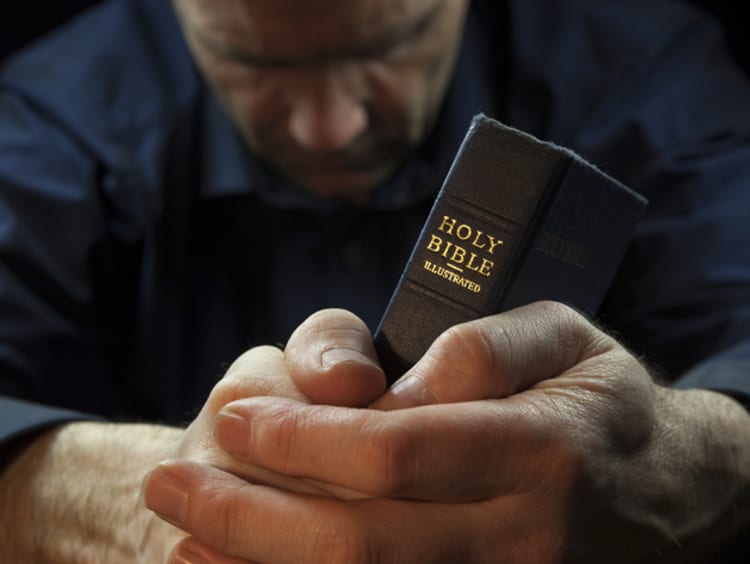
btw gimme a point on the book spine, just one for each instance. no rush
(517, 220)
(500, 182)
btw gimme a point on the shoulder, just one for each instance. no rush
(580, 66)
(118, 70)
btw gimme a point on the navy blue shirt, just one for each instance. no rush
(142, 248)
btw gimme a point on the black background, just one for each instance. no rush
(22, 22)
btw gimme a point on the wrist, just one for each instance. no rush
(704, 441)
(72, 495)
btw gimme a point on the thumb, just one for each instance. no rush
(332, 360)
(499, 355)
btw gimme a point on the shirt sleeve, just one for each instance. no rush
(727, 373)
(18, 418)
(54, 321)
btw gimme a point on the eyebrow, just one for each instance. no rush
(389, 40)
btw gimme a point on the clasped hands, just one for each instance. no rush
(523, 437)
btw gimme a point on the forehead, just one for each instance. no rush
(302, 27)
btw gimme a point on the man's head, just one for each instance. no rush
(333, 94)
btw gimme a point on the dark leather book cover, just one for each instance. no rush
(517, 220)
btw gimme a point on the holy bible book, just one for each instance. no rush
(517, 220)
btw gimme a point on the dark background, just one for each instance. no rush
(23, 21)
(735, 26)
(32, 19)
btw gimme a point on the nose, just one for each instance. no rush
(326, 112)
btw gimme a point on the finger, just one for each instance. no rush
(459, 451)
(332, 360)
(192, 551)
(260, 371)
(497, 356)
(257, 523)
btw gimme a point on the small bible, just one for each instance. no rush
(517, 220)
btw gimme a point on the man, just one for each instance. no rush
(156, 225)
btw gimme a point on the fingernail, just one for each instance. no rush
(187, 553)
(165, 495)
(411, 392)
(232, 432)
(333, 357)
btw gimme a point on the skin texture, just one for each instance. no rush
(74, 494)
(76, 489)
(553, 444)
(71, 496)
(335, 107)
(575, 454)
(525, 437)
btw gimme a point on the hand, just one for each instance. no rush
(585, 458)
(347, 375)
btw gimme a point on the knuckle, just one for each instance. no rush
(228, 521)
(576, 338)
(248, 361)
(549, 305)
(279, 434)
(567, 320)
(553, 309)
(347, 541)
(249, 375)
(393, 457)
(224, 392)
(471, 347)
(475, 354)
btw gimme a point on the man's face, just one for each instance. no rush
(333, 94)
